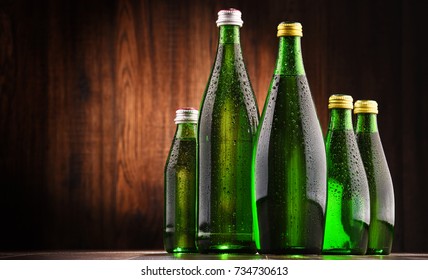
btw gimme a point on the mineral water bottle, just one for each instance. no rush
(227, 126)
(180, 187)
(289, 179)
(382, 207)
(348, 202)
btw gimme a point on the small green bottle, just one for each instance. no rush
(382, 207)
(290, 172)
(180, 185)
(348, 201)
(227, 126)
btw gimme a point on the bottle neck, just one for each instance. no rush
(340, 119)
(366, 123)
(289, 61)
(186, 130)
(229, 34)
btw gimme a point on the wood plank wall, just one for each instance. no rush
(89, 89)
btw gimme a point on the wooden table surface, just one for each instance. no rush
(162, 255)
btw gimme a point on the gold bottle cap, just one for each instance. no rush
(366, 106)
(289, 29)
(341, 101)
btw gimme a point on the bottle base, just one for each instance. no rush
(206, 246)
(383, 251)
(181, 250)
(291, 251)
(179, 242)
(341, 251)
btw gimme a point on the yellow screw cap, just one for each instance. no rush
(290, 29)
(341, 101)
(366, 106)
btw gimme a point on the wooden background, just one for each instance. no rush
(89, 89)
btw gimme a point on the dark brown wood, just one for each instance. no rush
(413, 109)
(89, 89)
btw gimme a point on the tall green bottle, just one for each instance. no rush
(289, 179)
(180, 187)
(382, 206)
(348, 202)
(227, 125)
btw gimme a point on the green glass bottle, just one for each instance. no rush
(290, 173)
(227, 125)
(348, 202)
(382, 206)
(180, 185)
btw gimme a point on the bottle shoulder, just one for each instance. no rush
(229, 92)
(345, 166)
(182, 152)
(372, 153)
(289, 104)
(342, 148)
(370, 143)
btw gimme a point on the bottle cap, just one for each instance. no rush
(186, 115)
(290, 29)
(229, 17)
(340, 101)
(366, 106)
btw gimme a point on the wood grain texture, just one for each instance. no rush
(89, 89)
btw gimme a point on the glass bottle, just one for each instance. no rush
(227, 125)
(348, 202)
(382, 207)
(289, 179)
(181, 185)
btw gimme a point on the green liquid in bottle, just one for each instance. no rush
(289, 179)
(348, 205)
(180, 191)
(227, 126)
(382, 207)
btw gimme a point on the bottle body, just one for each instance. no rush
(348, 203)
(382, 207)
(289, 180)
(227, 125)
(180, 191)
